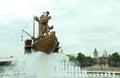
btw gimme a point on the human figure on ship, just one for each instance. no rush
(43, 23)
(40, 24)
(46, 26)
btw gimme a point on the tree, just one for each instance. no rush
(114, 60)
(81, 58)
(71, 57)
(91, 61)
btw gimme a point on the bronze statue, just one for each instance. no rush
(46, 41)
(43, 23)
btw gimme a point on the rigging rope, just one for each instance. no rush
(27, 24)
(24, 28)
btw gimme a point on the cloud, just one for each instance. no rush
(80, 25)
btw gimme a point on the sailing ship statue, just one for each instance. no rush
(46, 41)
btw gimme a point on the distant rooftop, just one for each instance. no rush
(6, 59)
(95, 51)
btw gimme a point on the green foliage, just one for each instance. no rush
(114, 60)
(81, 57)
(91, 61)
(82, 60)
(71, 57)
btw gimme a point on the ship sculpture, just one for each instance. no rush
(46, 41)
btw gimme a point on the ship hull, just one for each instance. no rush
(46, 44)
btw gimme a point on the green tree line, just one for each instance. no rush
(84, 61)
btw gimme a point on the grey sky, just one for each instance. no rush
(80, 25)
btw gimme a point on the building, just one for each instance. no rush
(104, 57)
(96, 54)
(105, 54)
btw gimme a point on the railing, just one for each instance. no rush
(66, 70)
(53, 69)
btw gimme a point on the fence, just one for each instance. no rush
(66, 70)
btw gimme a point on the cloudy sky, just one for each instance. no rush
(80, 25)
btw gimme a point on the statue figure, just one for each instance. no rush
(43, 23)
(40, 25)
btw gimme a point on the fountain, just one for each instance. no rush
(46, 61)
(54, 65)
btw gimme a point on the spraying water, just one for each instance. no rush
(35, 65)
(54, 65)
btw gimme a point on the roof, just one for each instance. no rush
(6, 59)
(95, 51)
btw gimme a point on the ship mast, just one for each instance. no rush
(33, 27)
